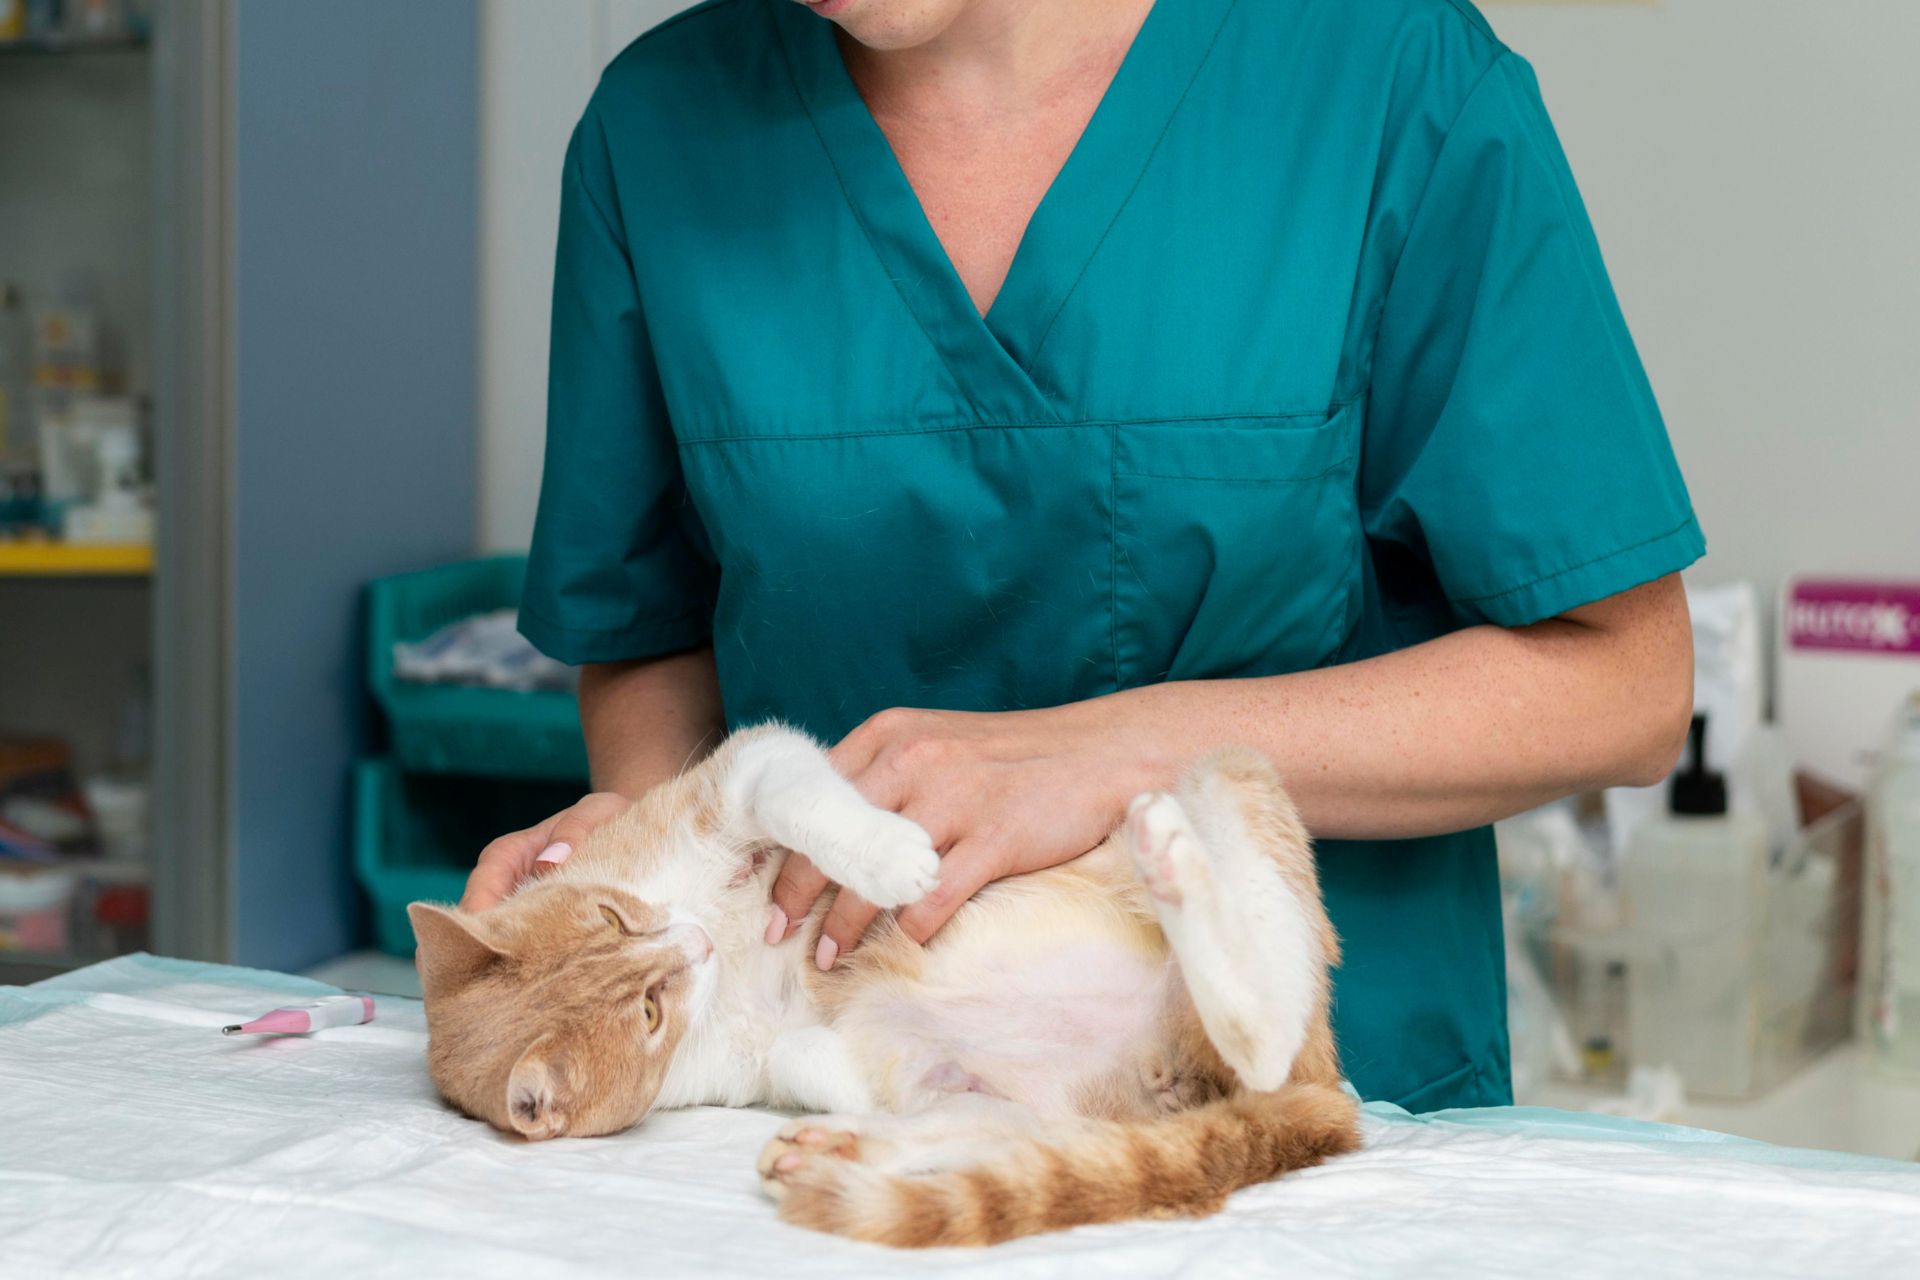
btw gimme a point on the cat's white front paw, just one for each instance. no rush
(890, 861)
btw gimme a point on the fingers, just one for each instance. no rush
(507, 861)
(846, 921)
(502, 865)
(794, 892)
(968, 868)
(563, 834)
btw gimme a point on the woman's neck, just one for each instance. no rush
(997, 58)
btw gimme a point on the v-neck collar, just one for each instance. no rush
(995, 357)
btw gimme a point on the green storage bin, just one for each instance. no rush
(497, 733)
(417, 835)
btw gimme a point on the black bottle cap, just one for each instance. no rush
(1698, 791)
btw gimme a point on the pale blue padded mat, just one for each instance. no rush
(135, 1141)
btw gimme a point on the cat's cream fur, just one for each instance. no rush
(1138, 1032)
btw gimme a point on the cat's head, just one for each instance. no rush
(558, 1011)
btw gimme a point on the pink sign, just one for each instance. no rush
(1860, 617)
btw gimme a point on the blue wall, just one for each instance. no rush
(355, 201)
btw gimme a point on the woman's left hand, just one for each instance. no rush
(999, 792)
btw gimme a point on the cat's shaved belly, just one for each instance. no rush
(1003, 1011)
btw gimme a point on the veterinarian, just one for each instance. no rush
(1028, 395)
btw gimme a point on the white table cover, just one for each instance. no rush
(136, 1141)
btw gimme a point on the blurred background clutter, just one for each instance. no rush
(273, 310)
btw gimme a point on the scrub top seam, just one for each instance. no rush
(1309, 479)
(1153, 153)
(1478, 22)
(1420, 205)
(1113, 548)
(1548, 152)
(614, 228)
(853, 210)
(1682, 527)
(1330, 411)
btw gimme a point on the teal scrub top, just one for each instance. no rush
(1307, 355)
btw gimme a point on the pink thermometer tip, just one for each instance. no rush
(335, 1011)
(279, 1022)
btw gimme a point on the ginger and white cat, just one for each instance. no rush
(1138, 1032)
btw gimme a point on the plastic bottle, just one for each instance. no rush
(1696, 881)
(1890, 939)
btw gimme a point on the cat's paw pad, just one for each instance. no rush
(893, 862)
(792, 1153)
(1165, 849)
(1172, 1088)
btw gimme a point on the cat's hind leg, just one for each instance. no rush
(958, 1133)
(1230, 873)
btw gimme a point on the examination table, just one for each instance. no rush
(136, 1141)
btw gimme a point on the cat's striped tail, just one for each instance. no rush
(1182, 1164)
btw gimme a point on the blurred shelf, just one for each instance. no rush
(75, 560)
(70, 46)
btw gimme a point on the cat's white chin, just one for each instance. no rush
(703, 959)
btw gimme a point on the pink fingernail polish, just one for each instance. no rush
(776, 926)
(555, 853)
(826, 953)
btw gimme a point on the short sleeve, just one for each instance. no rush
(1512, 439)
(620, 567)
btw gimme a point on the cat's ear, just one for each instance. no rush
(452, 950)
(538, 1092)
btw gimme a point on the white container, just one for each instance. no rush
(1696, 888)
(120, 817)
(1889, 1013)
(35, 908)
(1731, 1034)
(1697, 891)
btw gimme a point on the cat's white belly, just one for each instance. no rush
(1034, 1024)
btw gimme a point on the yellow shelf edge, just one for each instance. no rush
(63, 559)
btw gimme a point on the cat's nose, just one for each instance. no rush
(691, 941)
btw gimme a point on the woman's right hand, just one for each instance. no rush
(541, 847)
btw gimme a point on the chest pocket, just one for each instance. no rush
(1236, 546)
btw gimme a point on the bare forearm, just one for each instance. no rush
(1457, 732)
(645, 721)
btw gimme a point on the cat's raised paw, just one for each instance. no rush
(892, 862)
(1165, 849)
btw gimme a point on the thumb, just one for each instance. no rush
(557, 840)
(501, 866)
(507, 861)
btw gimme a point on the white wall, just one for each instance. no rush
(1751, 165)
(539, 60)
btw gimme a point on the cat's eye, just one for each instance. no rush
(653, 1014)
(613, 918)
